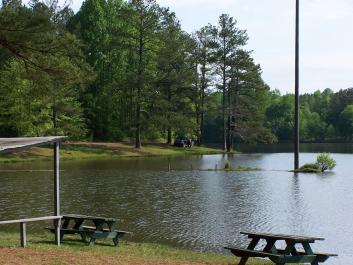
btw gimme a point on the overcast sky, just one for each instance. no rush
(326, 58)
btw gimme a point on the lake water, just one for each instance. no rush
(190, 207)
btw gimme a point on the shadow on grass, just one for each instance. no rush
(76, 243)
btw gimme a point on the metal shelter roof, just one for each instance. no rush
(13, 144)
(8, 145)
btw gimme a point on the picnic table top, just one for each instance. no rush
(87, 217)
(282, 236)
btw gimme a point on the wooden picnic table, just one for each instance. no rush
(281, 256)
(101, 228)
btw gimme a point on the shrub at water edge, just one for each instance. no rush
(325, 162)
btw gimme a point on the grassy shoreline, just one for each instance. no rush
(87, 150)
(41, 250)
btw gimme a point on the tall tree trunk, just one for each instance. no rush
(169, 136)
(233, 120)
(229, 123)
(138, 126)
(139, 88)
(202, 107)
(224, 97)
(224, 119)
(202, 122)
(198, 125)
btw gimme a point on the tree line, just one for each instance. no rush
(324, 116)
(126, 69)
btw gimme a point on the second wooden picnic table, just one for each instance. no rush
(102, 228)
(281, 256)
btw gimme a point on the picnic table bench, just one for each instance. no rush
(280, 256)
(101, 228)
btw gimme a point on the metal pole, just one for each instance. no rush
(296, 106)
(23, 235)
(57, 191)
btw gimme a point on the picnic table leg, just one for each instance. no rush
(83, 236)
(251, 246)
(99, 225)
(57, 227)
(78, 223)
(61, 236)
(66, 223)
(116, 240)
(309, 251)
(270, 246)
(112, 228)
(92, 241)
(77, 226)
(290, 249)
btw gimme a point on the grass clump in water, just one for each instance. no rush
(229, 168)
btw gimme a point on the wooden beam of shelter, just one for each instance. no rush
(8, 145)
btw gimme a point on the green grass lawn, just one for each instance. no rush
(85, 150)
(41, 248)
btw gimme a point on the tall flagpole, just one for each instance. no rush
(296, 106)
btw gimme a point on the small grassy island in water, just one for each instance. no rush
(229, 168)
(323, 163)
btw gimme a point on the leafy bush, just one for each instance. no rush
(325, 162)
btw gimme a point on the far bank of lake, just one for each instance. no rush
(101, 151)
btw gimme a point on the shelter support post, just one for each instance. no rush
(57, 191)
(23, 235)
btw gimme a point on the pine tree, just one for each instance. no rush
(227, 40)
(203, 38)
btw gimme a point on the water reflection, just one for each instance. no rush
(203, 210)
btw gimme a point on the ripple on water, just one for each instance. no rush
(202, 210)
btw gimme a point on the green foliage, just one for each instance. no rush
(346, 122)
(325, 162)
(309, 168)
(324, 116)
(42, 74)
(280, 116)
(126, 69)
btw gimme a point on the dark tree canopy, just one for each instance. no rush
(125, 70)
